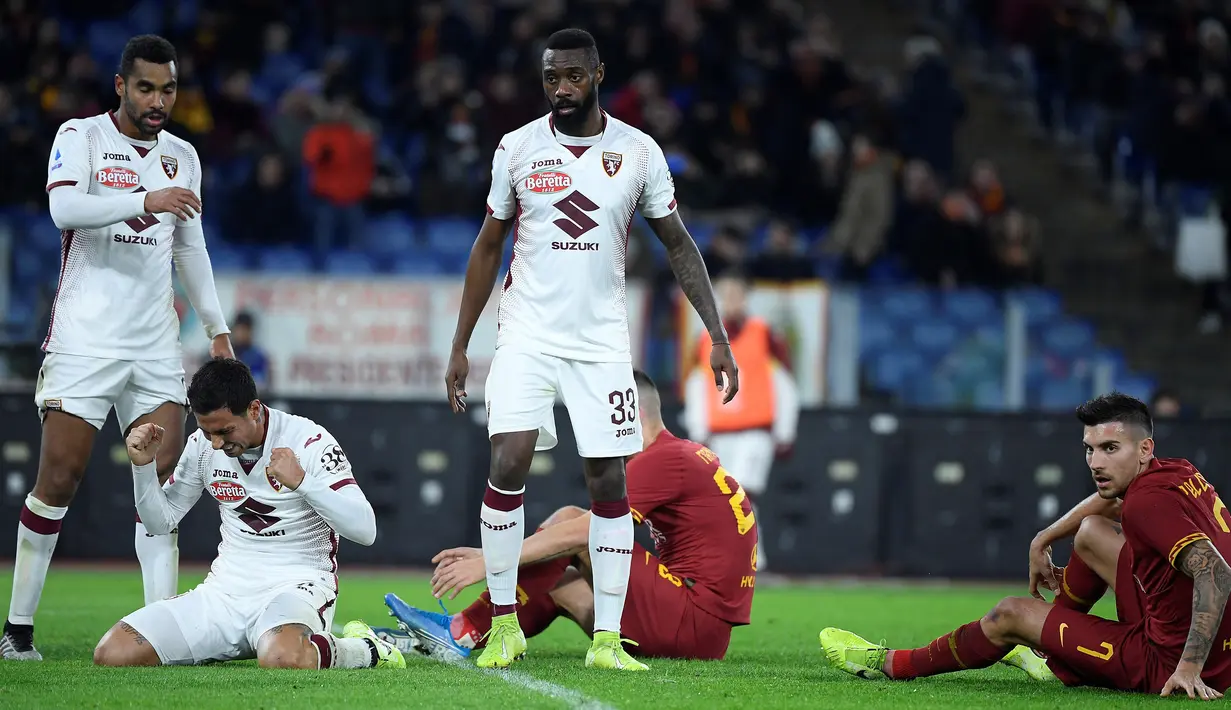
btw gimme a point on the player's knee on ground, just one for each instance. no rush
(511, 457)
(65, 452)
(124, 646)
(287, 647)
(605, 478)
(568, 512)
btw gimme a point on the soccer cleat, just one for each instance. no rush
(17, 643)
(505, 643)
(1032, 663)
(387, 655)
(431, 629)
(853, 654)
(607, 651)
(405, 642)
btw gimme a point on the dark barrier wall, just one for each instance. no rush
(864, 493)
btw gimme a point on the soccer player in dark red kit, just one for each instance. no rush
(1168, 570)
(682, 603)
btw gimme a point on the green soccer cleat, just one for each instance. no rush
(1030, 662)
(387, 655)
(505, 643)
(853, 654)
(607, 651)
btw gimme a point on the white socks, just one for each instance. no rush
(503, 520)
(159, 556)
(611, 556)
(37, 533)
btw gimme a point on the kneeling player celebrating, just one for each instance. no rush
(682, 604)
(270, 592)
(1173, 587)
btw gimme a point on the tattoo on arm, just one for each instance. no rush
(136, 635)
(689, 269)
(1211, 588)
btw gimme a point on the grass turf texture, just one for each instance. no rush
(774, 663)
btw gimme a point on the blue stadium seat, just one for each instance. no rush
(418, 265)
(285, 260)
(452, 236)
(989, 395)
(930, 391)
(349, 263)
(904, 305)
(970, 306)
(893, 369)
(1068, 338)
(226, 260)
(1137, 386)
(934, 336)
(1193, 200)
(1062, 394)
(1041, 305)
(389, 235)
(875, 333)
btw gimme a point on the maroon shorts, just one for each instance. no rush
(1089, 650)
(660, 615)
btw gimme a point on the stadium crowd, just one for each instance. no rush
(310, 121)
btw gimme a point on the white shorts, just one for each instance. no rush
(88, 387)
(601, 399)
(211, 623)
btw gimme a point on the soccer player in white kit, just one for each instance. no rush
(126, 195)
(568, 184)
(285, 491)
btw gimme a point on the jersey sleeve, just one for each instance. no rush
(1161, 519)
(502, 199)
(658, 198)
(70, 162)
(194, 184)
(329, 486)
(161, 508)
(653, 480)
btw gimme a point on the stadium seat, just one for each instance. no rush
(452, 236)
(904, 305)
(934, 336)
(285, 260)
(349, 263)
(1068, 338)
(418, 265)
(226, 260)
(1136, 385)
(1041, 305)
(1063, 394)
(875, 333)
(389, 235)
(970, 306)
(1193, 200)
(893, 369)
(989, 395)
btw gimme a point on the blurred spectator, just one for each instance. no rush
(265, 210)
(726, 251)
(866, 211)
(1165, 404)
(248, 352)
(930, 107)
(986, 189)
(1015, 244)
(339, 156)
(783, 260)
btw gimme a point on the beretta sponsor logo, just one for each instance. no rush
(548, 181)
(117, 178)
(228, 491)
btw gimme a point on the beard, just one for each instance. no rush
(573, 123)
(138, 120)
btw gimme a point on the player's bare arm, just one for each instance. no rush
(694, 279)
(1211, 589)
(461, 567)
(481, 271)
(1042, 571)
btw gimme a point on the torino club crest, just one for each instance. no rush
(612, 163)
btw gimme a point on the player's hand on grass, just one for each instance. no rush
(143, 443)
(220, 346)
(181, 202)
(455, 570)
(284, 468)
(455, 380)
(722, 362)
(1187, 677)
(1042, 571)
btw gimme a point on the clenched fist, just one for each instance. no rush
(143, 443)
(284, 468)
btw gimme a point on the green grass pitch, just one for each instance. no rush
(774, 663)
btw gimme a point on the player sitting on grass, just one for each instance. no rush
(271, 591)
(681, 604)
(1169, 574)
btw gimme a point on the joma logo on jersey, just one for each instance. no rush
(117, 178)
(219, 473)
(548, 181)
(575, 246)
(552, 162)
(134, 239)
(616, 550)
(227, 491)
(116, 156)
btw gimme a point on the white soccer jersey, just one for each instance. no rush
(564, 294)
(270, 534)
(115, 298)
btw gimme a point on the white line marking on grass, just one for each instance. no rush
(573, 698)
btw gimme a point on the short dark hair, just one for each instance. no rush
(222, 382)
(151, 48)
(574, 38)
(644, 380)
(1119, 408)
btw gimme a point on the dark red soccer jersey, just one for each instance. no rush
(701, 521)
(1168, 507)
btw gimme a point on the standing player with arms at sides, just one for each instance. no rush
(569, 184)
(681, 603)
(285, 491)
(1169, 572)
(126, 197)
